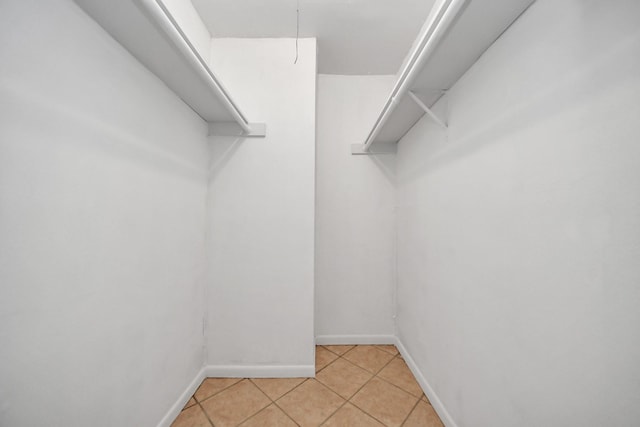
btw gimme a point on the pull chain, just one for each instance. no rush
(297, 29)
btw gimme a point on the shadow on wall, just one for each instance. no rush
(115, 141)
(222, 149)
(561, 95)
(387, 165)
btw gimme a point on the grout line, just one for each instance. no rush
(260, 411)
(346, 400)
(339, 355)
(334, 412)
(258, 387)
(299, 385)
(373, 375)
(216, 393)
(410, 412)
(349, 400)
(356, 406)
(286, 413)
(261, 391)
(376, 372)
(327, 365)
(205, 414)
(273, 402)
(399, 387)
(382, 379)
(385, 345)
(187, 407)
(338, 408)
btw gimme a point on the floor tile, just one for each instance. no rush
(391, 349)
(271, 416)
(343, 377)
(191, 402)
(385, 402)
(398, 373)
(344, 372)
(192, 417)
(323, 357)
(349, 415)
(211, 386)
(339, 349)
(310, 404)
(423, 416)
(235, 404)
(275, 388)
(368, 357)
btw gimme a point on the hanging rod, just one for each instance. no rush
(429, 39)
(161, 15)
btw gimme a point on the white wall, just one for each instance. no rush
(102, 212)
(261, 209)
(519, 233)
(355, 214)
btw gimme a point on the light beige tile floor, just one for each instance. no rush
(355, 386)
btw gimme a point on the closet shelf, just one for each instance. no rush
(149, 32)
(454, 36)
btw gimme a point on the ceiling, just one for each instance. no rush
(354, 36)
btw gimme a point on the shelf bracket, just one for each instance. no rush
(380, 148)
(233, 129)
(428, 110)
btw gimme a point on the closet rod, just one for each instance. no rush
(163, 18)
(432, 34)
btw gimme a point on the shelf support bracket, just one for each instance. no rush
(233, 129)
(427, 110)
(379, 148)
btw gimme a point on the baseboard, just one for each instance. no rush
(175, 409)
(260, 371)
(305, 371)
(355, 339)
(431, 395)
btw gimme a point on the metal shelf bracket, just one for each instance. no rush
(234, 129)
(428, 110)
(379, 148)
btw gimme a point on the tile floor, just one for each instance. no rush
(356, 386)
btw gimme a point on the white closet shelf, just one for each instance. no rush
(149, 32)
(455, 35)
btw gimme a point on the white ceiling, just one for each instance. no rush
(354, 36)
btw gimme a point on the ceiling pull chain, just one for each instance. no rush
(297, 29)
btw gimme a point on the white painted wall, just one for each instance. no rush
(261, 209)
(102, 212)
(355, 214)
(519, 233)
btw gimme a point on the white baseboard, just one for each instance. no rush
(431, 395)
(355, 339)
(260, 371)
(305, 371)
(175, 409)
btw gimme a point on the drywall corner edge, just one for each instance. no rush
(426, 387)
(175, 409)
(355, 339)
(260, 371)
